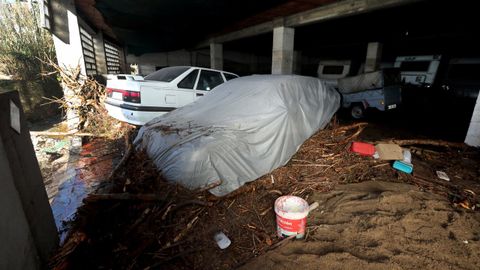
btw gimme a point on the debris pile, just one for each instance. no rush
(83, 99)
(142, 222)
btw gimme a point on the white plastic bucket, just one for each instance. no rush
(292, 214)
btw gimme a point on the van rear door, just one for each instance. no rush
(418, 70)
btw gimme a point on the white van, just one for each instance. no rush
(418, 70)
(332, 70)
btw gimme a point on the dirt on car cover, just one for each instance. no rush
(381, 225)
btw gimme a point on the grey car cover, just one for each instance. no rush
(241, 130)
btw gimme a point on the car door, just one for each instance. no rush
(207, 80)
(187, 85)
(160, 89)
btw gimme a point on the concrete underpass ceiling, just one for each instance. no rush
(153, 26)
(429, 27)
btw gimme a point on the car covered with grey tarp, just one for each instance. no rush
(248, 127)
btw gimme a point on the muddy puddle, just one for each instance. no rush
(86, 169)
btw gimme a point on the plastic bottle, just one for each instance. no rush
(222, 240)
(407, 156)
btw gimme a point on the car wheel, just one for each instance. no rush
(357, 111)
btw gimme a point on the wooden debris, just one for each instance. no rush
(68, 133)
(429, 142)
(123, 197)
(84, 96)
(352, 126)
(282, 242)
(181, 223)
(126, 156)
(210, 186)
(310, 165)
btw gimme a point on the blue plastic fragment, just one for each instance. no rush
(403, 166)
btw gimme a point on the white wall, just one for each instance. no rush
(17, 249)
(245, 63)
(70, 54)
(149, 61)
(28, 235)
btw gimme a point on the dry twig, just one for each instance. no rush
(123, 197)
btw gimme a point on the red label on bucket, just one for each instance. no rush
(292, 214)
(291, 226)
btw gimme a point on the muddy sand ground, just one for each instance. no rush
(381, 225)
(409, 221)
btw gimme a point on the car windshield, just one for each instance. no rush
(415, 66)
(167, 74)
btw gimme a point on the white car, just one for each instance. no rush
(137, 100)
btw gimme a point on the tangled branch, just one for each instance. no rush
(84, 96)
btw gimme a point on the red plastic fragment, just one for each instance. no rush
(364, 149)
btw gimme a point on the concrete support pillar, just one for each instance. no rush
(473, 133)
(216, 56)
(374, 56)
(297, 62)
(70, 55)
(282, 50)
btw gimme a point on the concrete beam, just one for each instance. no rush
(216, 56)
(322, 13)
(341, 9)
(282, 50)
(243, 33)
